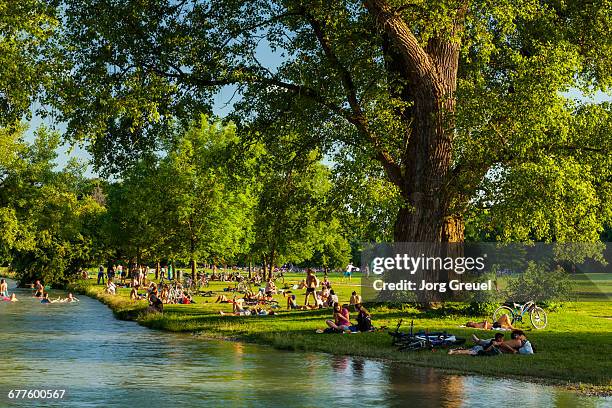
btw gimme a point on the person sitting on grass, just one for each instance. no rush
(326, 283)
(111, 288)
(483, 347)
(135, 296)
(355, 299)
(291, 302)
(332, 299)
(155, 304)
(324, 295)
(502, 323)
(186, 299)
(164, 295)
(301, 285)
(364, 319)
(341, 321)
(271, 287)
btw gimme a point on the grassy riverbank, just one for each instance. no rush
(573, 350)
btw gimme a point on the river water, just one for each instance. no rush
(104, 362)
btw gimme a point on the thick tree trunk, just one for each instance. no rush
(425, 77)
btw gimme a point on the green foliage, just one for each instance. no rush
(293, 220)
(208, 207)
(540, 283)
(49, 217)
(528, 161)
(26, 55)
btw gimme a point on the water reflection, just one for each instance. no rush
(105, 362)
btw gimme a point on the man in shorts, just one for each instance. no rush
(311, 286)
(349, 271)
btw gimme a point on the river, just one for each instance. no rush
(101, 361)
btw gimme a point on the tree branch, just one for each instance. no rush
(422, 68)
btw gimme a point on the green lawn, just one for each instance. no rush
(574, 349)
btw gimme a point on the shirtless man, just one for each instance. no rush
(511, 346)
(39, 289)
(3, 288)
(311, 285)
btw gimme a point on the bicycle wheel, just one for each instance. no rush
(503, 310)
(538, 317)
(413, 346)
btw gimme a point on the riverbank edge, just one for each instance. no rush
(125, 309)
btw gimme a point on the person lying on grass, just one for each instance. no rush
(223, 299)
(239, 310)
(483, 347)
(502, 323)
(518, 343)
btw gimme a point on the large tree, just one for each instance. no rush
(462, 103)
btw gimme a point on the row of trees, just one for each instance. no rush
(208, 197)
(444, 120)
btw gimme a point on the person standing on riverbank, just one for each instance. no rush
(311, 285)
(101, 274)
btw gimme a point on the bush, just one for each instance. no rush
(540, 283)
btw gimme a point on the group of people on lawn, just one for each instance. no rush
(319, 294)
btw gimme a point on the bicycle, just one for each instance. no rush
(422, 340)
(537, 315)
